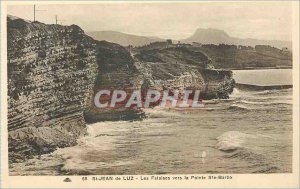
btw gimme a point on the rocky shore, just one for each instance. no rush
(54, 72)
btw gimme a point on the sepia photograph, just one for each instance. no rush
(150, 88)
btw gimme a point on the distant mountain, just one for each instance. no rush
(204, 36)
(215, 36)
(122, 38)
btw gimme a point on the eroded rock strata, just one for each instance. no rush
(116, 70)
(166, 66)
(54, 72)
(51, 70)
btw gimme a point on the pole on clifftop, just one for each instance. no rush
(56, 20)
(34, 13)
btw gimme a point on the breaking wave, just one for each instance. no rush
(257, 163)
(238, 107)
(232, 140)
(160, 113)
(271, 102)
(234, 143)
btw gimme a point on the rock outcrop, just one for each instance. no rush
(180, 67)
(51, 71)
(117, 70)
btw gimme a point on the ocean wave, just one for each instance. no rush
(232, 140)
(266, 92)
(257, 163)
(250, 102)
(239, 107)
(270, 102)
(161, 113)
(234, 143)
(241, 92)
(236, 93)
(272, 92)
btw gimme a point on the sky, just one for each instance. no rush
(265, 20)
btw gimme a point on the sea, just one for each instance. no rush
(251, 132)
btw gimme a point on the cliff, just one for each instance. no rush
(117, 70)
(51, 70)
(180, 67)
(54, 72)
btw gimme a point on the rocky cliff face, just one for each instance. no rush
(51, 70)
(54, 72)
(180, 67)
(117, 70)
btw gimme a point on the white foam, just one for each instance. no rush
(239, 107)
(232, 140)
(161, 113)
(235, 93)
(251, 102)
